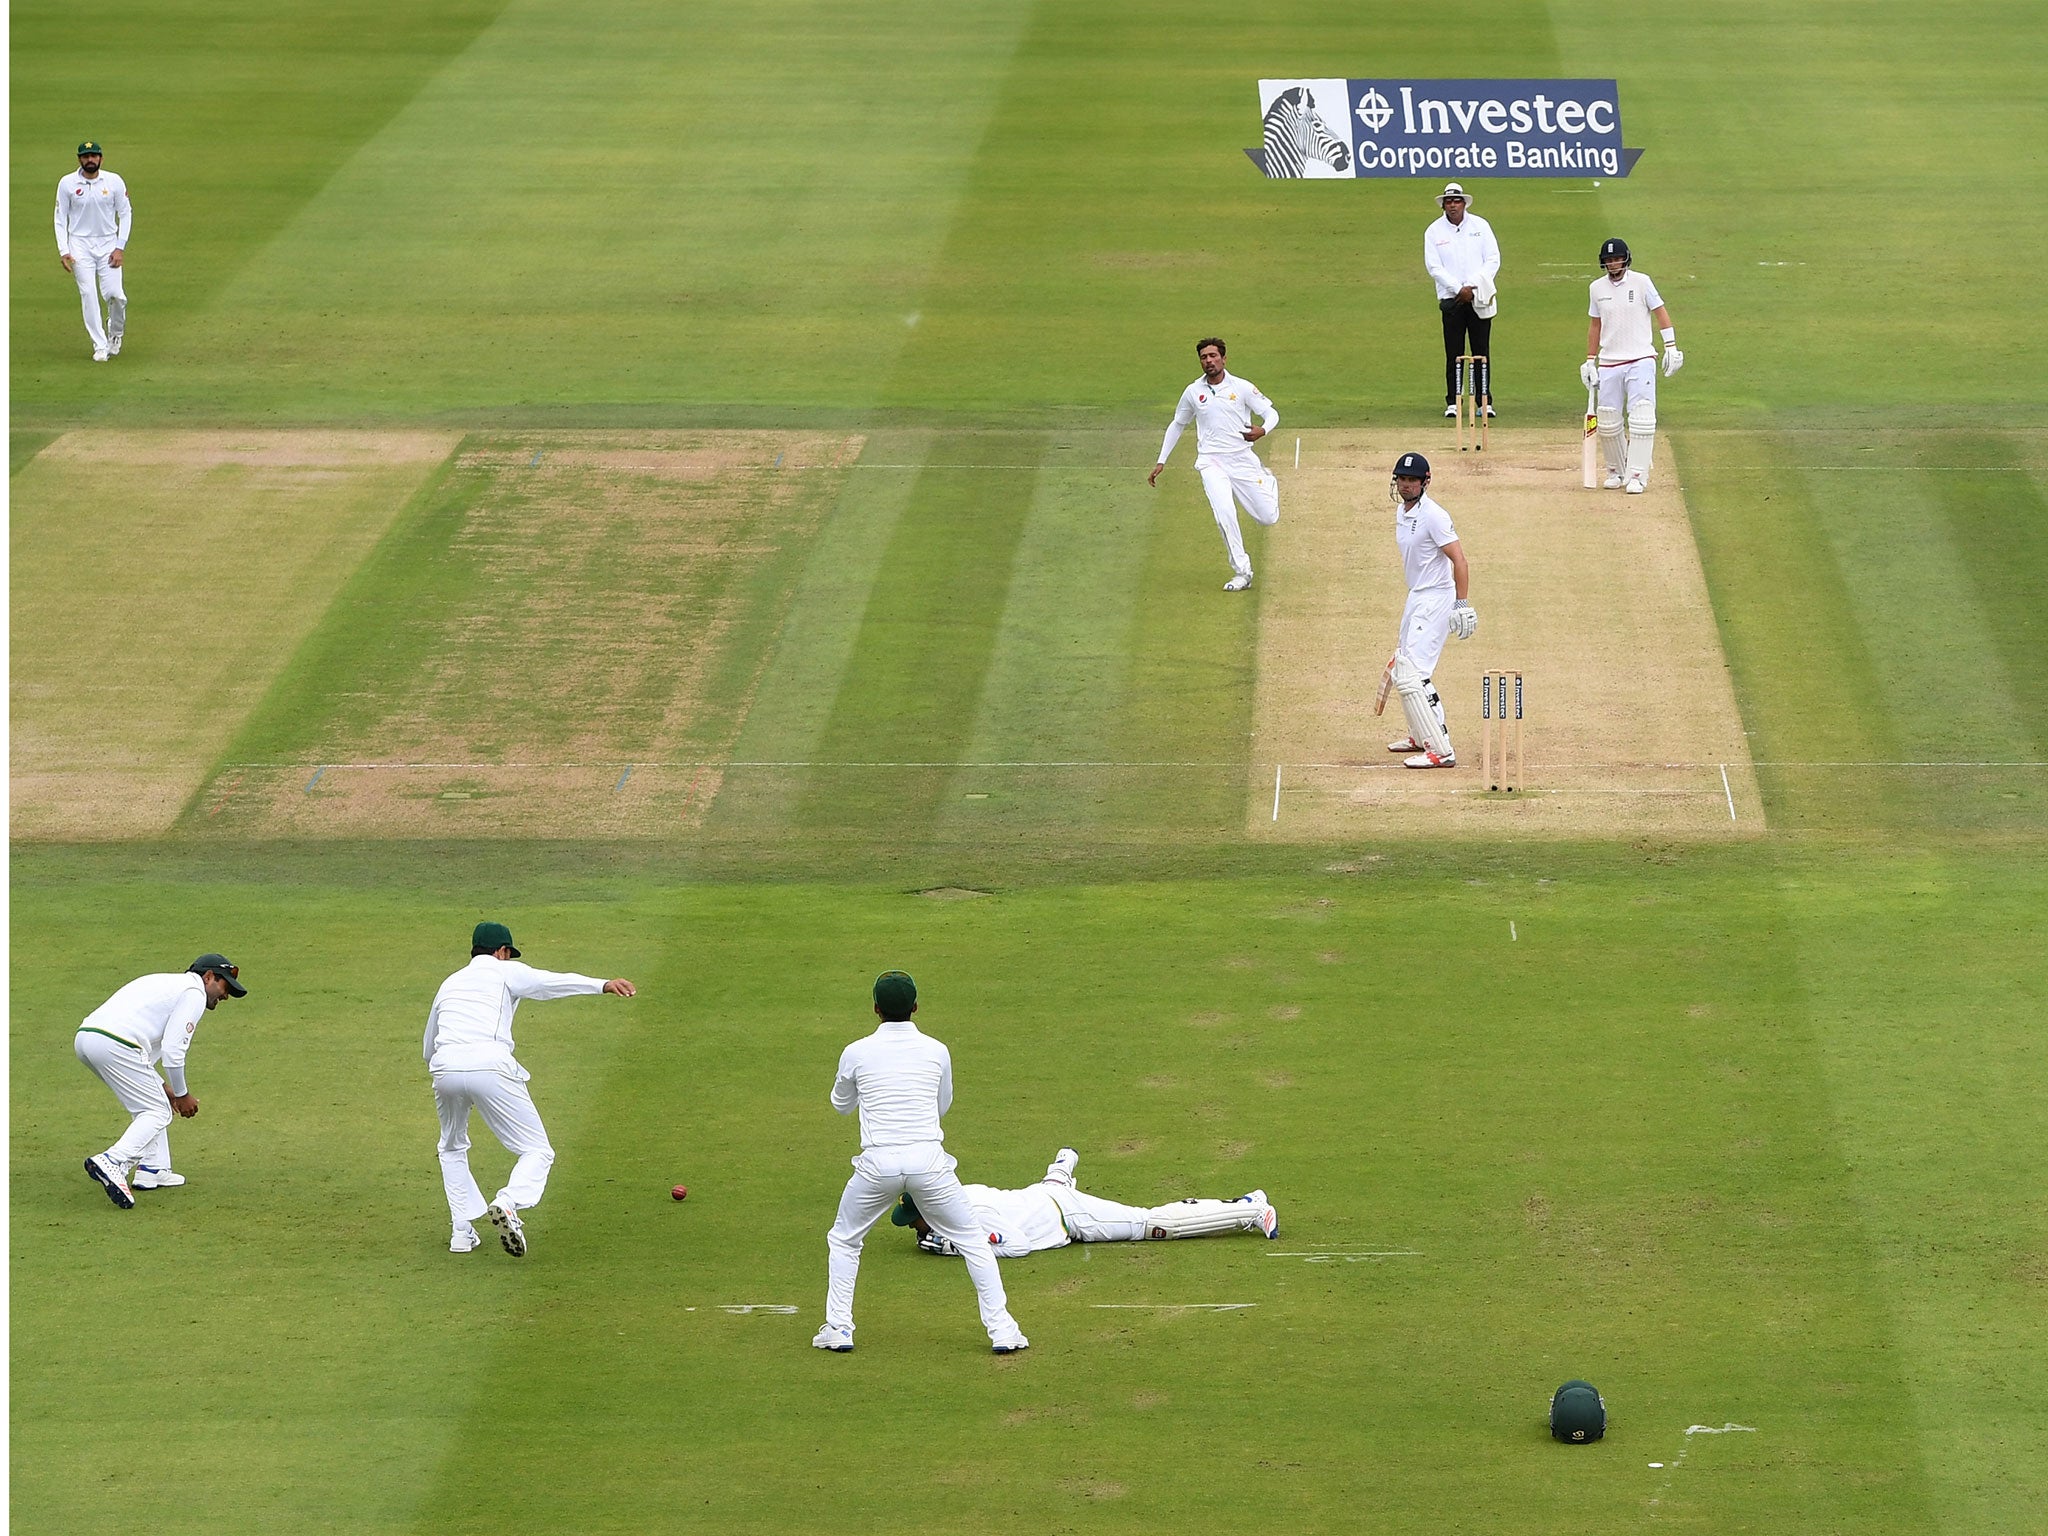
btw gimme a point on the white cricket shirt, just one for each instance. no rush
(93, 212)
(157, 1015)
(1421, 532)
(1459, 255)
(1221, 412)
(469, 1028)
(1025, 1220)
(901, 1079)
(1624, 310)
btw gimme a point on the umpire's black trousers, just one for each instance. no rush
(1459, 324)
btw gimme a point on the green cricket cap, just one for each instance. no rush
(1578, 1416)
(905, 1214)
(222, 967)
(90, 148)
(895, 994)
(489, 938)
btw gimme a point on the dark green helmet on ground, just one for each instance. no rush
(1577, 1414)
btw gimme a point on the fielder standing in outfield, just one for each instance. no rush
(1055, 1212)
(1220, 404)
(150, 1020)
(1621, 364)
(468, 1048)
(901, 1081)
(1439, 588)
(93, 220)
(1463, 259)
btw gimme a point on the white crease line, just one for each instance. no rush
(1727, 791)
(1678, 1461)
(1348, 1255)
(1173, 1306)
(1276, 791)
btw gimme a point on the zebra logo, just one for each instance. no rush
(1295, 133)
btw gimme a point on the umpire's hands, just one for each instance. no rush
(1463, 620)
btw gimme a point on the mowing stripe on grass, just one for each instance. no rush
(1779, 593)
(916, 673)
(2000, 530)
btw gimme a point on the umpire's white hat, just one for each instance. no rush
(1451, 190)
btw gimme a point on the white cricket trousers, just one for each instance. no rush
(1239, 478)
(1092, 1219)
(123, 1068)
(924, 1171)
(98, 278)
(509, 1115)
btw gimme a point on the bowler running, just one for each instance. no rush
(1221, 405)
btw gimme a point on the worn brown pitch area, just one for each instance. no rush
(590, 677)
(1596, 597)
(160, 581)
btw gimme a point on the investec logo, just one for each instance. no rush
(1508, 127)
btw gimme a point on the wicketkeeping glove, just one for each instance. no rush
(1673, 361)
(1463, 620)
(1589, 373)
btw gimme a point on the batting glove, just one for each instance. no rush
(1589, 373)
(1463, 620)
(1673, 361)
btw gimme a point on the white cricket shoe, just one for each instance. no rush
(1268, 1217)
(1064, 1162)
(99, 354)
(1636, 485)
(1450, 413)
(155, 1178)
(838, 1340)
(1238, 583)
(1489, 410)
(464, 1239)
(511, 1231)
(113, 346)
(1431, 760)
(1009, 1343)
(1612, 482)
(1405, 744)
(103, 1170)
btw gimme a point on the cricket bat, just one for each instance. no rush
(1589, 462)
(1379, 703)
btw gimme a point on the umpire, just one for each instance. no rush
(1461, 255)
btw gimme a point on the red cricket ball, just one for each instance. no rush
(681, 1192)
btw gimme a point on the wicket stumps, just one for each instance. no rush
(1474, 384)
(1500, 734)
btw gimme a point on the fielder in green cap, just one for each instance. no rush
(93, 221)
(150, 1021)
(901, 1081)
(469, 1052)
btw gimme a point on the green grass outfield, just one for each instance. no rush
(1746, 1134)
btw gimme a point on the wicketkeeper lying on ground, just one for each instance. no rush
(1054, 1212)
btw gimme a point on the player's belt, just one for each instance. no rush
(87, 1029)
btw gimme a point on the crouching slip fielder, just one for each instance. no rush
(150, 1020)
(468, 1047)
(1621, 363)
(1220, 404)
(901, 1081)
(1438, 584)
(1055, 1212)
